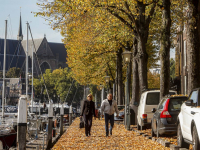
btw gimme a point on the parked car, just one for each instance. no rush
(165, 116)
(120, 117)
(188, 123)
(148, 101)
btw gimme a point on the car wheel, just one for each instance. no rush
(143, 127)
(138, 126)
(195, 139)
(180, 140)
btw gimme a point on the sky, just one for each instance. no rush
(10, 10)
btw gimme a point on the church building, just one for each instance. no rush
(49, 55)
(46, 55)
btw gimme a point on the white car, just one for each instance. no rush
(189, 122)
(121, 113)
(148, 101)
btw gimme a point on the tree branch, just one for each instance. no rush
(121, 19)
(149, 18)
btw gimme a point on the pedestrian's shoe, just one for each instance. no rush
(89, 134)
(110, 132)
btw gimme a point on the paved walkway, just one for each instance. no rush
(74, 138)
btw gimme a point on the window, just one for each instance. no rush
(153, 98)
(162, 104)
(194, 96)
(175, 103)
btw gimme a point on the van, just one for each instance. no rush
(148, 101)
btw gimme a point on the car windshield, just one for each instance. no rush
(175, 103)
(154, 97)
(120, 107)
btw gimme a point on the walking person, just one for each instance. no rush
(109, 106)
(88, 110)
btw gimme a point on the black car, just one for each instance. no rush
(165, 117)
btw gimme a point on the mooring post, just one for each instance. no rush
(49, 135)
(61, 119)
(22, 123)
(70, 115)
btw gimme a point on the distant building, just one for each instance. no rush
(181, 70)
(50, 55)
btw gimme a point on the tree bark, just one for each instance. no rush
(142, 55)
(135, 85)
(165, 50)
(135, 76)
(120, 84)
(193, 30)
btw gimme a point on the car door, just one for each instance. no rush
(188, 117)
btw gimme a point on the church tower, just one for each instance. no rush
(20, 36)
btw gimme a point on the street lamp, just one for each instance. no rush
(100, 87)
(107, 79)
(54, 97)
(58, 103)
(127, 59)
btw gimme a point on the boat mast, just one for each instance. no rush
(27, 63)
(4, 69)
(32, 83)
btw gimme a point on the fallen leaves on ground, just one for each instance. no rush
(74, 138)
(170, 138)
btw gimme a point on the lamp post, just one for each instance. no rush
(107, 79)
(58, 103)
(101, 87)
(102, 97)
(127, 58)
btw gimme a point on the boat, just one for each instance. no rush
(7, 132)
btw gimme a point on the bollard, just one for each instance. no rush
(70, 115)
(61, 119)
(49, 133)
(22, 123)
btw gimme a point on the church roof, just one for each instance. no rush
(37, 43)
(59, 48)
(15, 56)
(20, 36)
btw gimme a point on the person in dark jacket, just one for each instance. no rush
(88, 110)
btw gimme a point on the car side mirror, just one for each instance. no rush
(153, 110)
(189, 102)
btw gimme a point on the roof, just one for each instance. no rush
(59, 48)
(37, 43)
(15, 55)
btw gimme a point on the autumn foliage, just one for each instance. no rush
(74, 138)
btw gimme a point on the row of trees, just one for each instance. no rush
(12, 73)
(96, 32)
(59, 84)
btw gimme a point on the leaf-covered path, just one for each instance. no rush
(74, 138)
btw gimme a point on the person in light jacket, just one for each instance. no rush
(109, 106)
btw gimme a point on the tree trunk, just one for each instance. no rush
(135, 77)
(135, 86)
(142, 40)
(120, 84)
(142, 65)
(193, 30)
(165, 50)
(116, 82)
